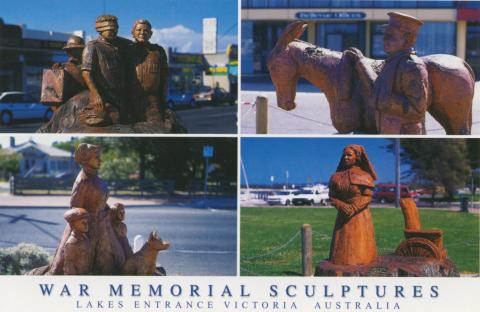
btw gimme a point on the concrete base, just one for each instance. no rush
(391, 265)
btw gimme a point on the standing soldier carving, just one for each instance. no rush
(151, 75)
(400, 92)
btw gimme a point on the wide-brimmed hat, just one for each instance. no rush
(403, 22)
(74, 42)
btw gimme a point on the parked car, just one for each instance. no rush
(310, 196)
(214, 95)
(179, 98)
(283, 197)
(386, 193)
(20, 105)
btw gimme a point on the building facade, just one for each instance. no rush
(450, 27)
(188, 72)
(24, 53)
(39, 159)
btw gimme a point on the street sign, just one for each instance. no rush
(329, 15)
(207, 151)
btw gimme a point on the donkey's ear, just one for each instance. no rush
(301, 30)
(292, 31)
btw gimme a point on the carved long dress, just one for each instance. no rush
(106, 253)
(353, 241)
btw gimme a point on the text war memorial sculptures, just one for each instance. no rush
(375, 96)
(110, 84)
(95, 241)
(353, 250)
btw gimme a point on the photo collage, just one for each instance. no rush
(239, 155)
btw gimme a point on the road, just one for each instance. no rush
(203, 241)
(206, 119)
(210, 119)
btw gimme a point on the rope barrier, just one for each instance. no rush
(249, 110)
(251, 272)
(275, 250)
(322, 236)
(301, 117)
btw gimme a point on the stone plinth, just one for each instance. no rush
(392, 265)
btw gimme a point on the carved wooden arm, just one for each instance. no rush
(358, 203)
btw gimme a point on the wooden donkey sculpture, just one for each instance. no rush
(450, 96)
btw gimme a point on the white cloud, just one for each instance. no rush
(185, 39)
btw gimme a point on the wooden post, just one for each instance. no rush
(262, 115)
(307, 250)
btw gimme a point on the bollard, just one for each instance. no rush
(307, 251)
(261, 104)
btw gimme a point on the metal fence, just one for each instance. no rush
(48, 185)
(146, 187)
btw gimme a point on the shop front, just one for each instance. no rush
(449, 27)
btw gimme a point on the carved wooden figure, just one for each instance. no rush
(64, 80)
(117, 218)
(123, 86)
(77, 248)
(351, 190)
(150, 77)
(95, 241)
(144, 261)
(373, 96)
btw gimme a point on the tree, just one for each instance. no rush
(9, 163)
(473, 146)
(437, 162)
(178, 159)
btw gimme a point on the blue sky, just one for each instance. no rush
(304, 157)
(175, 22)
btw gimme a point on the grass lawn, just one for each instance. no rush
(265, 231)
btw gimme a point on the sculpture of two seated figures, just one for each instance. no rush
(111, 84)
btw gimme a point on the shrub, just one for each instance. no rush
(22, 258)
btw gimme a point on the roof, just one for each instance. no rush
(48, 150)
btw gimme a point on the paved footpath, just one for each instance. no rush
(60, 201)
(63, 201)
(312, 115)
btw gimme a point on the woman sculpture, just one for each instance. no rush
(91, 193)
(351, 189)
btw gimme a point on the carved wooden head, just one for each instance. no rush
(155, 242)
(282, 66)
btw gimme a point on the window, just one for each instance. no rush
(340, 36)
(437, 37)
(433, 38)
(473, 47)
(247, 47)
